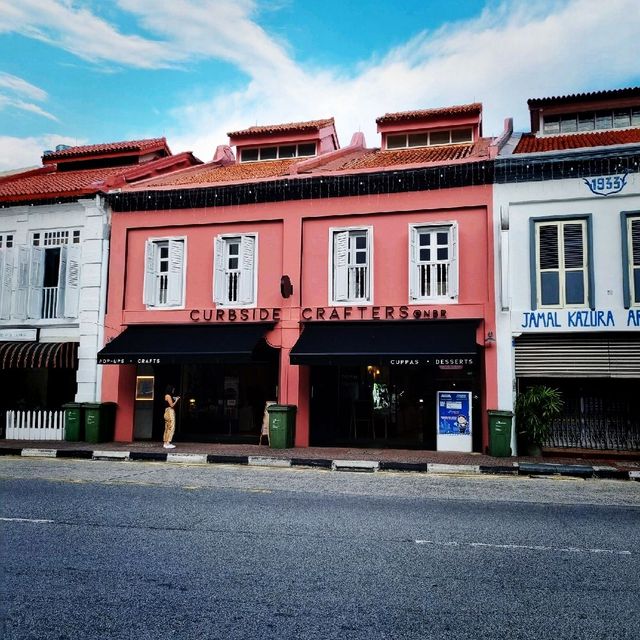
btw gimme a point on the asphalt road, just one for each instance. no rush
(143, 550)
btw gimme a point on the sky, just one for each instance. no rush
(93, 71)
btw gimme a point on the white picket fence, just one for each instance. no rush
(35, 425)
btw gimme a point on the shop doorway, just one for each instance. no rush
(384, 406)
(218, 402)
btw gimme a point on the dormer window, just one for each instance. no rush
(618, 118)
(280, 152)
(429, 138)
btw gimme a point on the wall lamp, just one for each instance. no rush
(490, 339)
(286, 288)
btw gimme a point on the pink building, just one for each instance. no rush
(353, 283)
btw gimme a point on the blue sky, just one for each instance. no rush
(90, 71)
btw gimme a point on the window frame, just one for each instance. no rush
(428, 133)
(156, 306)
(628, 286)
(535, 274)
(598, 116)
(451, 227)
(277, 147)
(221, 301)
(7, 240)
(353, 229)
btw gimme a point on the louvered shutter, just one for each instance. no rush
(176, 272)
(247, 266)
(574, 263)
(62, 282)
(548, 265)
(150, 261)
(7, 258)
(341, 266)
(72, 281)
(635, 259)
(22, 289)
(36, 281)
(218, 272)
(413, 264)
(454, 262)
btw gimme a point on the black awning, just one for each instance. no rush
(442, 342)
(174, 344)
(38, 355)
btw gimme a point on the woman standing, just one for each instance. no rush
(170, 416)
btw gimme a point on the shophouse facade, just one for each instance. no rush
(355, 284)
(54, 251)
(567, 231)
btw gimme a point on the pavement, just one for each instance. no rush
(571, 463)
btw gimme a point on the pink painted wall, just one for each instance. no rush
(293, 239)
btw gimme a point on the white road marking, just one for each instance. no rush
(26, 520)
(524, 546)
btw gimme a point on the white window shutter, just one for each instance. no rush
(22, 289)
(62, 282)
(454, 268)
(247, 265)
(176, 271)
(36, 281)
(150, 261)
(413, 263)
(7, 258)
(341, 265)
(72, 281)
(218, 272)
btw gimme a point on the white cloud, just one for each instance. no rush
(24, 106)
(12, 91)
(513, 51)
(26, 152)
(74, 28)
(21, 87)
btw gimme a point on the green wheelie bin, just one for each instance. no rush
(500, 433)
(282, 424)
(73, 421)
(99, 421)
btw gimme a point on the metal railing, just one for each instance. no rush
(612, 428)
(233, 286)
(49, 302)
(358, 285)
(433, 279)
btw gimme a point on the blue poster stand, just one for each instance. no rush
(454, 422)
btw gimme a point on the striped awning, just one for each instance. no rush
(38, 355)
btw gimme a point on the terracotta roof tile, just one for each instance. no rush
(629, 92)
(214, 173)
(430, 114)
(290, 127)
(529, 143)
(49, 183)
(377, 158)
(53, 184)
(109, 148)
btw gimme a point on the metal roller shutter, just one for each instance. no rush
(578, 355)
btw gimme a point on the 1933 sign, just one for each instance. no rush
(606, 185)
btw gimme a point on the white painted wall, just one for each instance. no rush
(92, 218)
(518, 203)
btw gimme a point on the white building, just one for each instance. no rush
(567, 229)
(54, 251)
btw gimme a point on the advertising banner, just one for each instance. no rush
(454, 421)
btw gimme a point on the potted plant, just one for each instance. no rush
(536, 408)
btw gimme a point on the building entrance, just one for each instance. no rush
(383, 405)
(218, 403)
